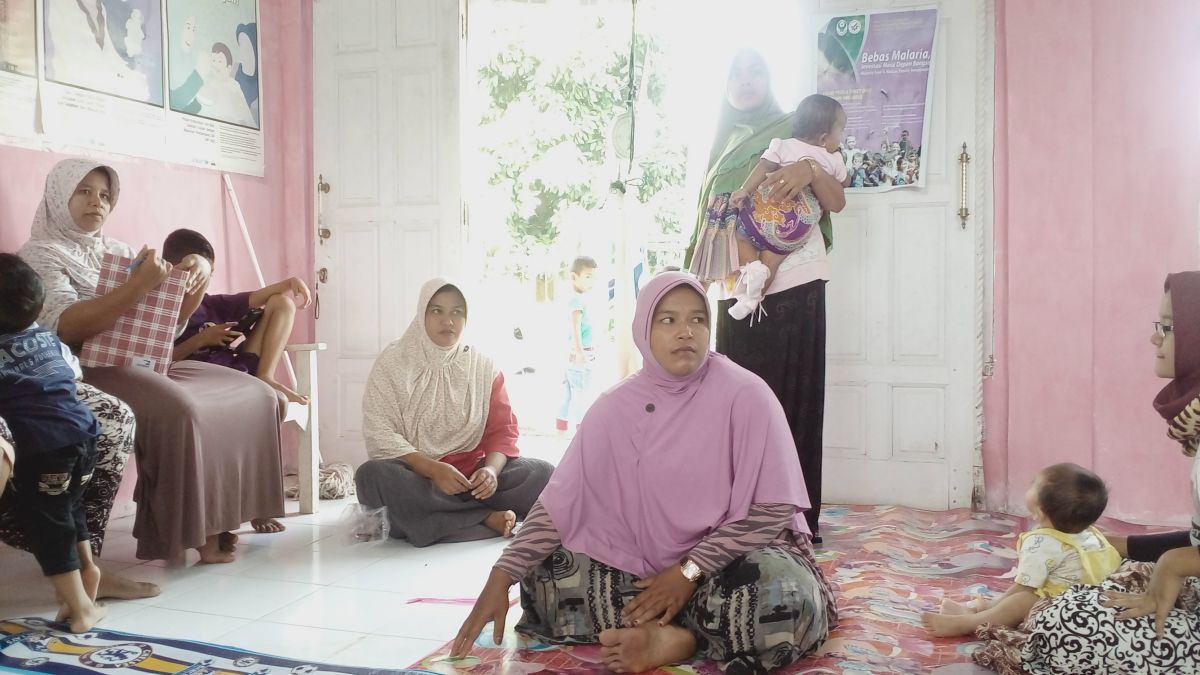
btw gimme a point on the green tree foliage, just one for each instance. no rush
(546, 130)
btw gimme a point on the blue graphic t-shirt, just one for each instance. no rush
(37, 393)
(578, 303)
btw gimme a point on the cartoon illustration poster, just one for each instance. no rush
(213, 50)
(879, 67)
(176, 80)
(18, 68)
(110, 47)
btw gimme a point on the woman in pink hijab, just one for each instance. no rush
(674, 526)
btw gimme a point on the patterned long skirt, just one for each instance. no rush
(765, 610)
(112, 452)
(1075, 634)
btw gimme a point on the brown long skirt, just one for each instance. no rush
(207, 448)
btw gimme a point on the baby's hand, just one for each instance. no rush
(739, 197)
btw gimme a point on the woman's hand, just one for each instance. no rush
(1159, 599)
(662, 597)
(149, 271)
(484, 483)
(492, 605)
(217, 335)
(449, 479)
(199, 272)
(299, 291)
(787, 182)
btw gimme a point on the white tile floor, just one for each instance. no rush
(304, 592)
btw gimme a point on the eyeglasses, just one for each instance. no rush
(1162, 329)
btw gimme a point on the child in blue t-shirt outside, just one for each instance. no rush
(55, 442)
(577, 381)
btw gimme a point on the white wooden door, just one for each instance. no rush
(387, 144)
(905, 302)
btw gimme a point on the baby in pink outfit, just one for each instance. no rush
(768, 232)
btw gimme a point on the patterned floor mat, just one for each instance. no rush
(38, 646)
(890, 563)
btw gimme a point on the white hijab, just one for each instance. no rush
(424, 398)
(57, 246)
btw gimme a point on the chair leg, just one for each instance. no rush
(310, 440)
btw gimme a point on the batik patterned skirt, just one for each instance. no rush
(765, 610)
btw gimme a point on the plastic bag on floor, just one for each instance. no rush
(363, 526)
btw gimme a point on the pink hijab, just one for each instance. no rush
(661, 461)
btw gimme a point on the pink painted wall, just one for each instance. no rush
(1096, 163)
(157, 197)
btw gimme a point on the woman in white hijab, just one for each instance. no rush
(207, 438)
(441, 434)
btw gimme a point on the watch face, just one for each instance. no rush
(691, 571)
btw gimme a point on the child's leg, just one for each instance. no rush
(563, 422)
(746, 251)
(979, 604)
(51, 483)
(580, 387)
(1009, 611)
(84, 612)
(772, 261)
(267, 340)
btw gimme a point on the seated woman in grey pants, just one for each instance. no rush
(441, 434)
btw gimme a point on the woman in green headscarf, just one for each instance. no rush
(750, 117)
(787, 348)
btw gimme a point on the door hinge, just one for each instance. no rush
(989, 365)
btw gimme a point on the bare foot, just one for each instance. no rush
(227, 541)
(211, 553)
(952, 608)
(82, 621)
(502, 522)
(116, 586)
(289, 393)
(942, 625)
(634, 650)
(267, 525)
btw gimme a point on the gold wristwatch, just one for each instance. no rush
(691, 571)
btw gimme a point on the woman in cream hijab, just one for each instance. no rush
(441, 434)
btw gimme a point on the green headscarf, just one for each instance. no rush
(741, 139)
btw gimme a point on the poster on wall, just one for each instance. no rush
(102, 73)
(176, 80)
(879, 66)
(214, 92)
(111, 47)
(18, 68)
